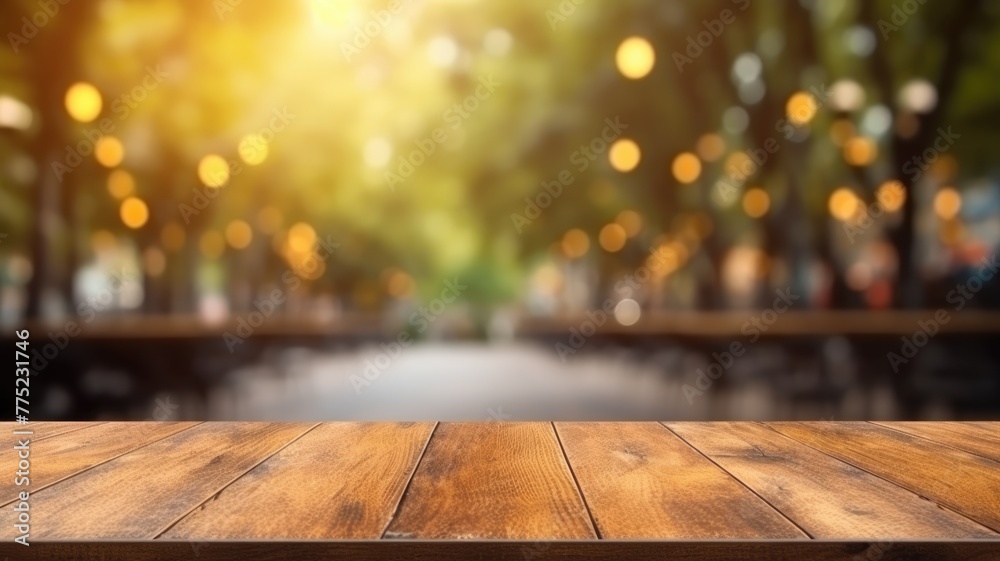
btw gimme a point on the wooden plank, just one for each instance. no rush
(340, 481)
(493, 480)
(641, 481)
(66, 454)
(139, 494)
(826, 497)
(958, 480)
(982, 439)
(46, 429)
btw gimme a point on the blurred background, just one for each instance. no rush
(462, 209)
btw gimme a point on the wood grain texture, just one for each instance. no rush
(798, 480)
(71, 452)
(342, 480)
(47, 429)
(982, 439)
(139, 494)
(961, 481)
(641, 481)
(492, 480)
(330, 490)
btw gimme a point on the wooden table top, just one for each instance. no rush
(221, 490)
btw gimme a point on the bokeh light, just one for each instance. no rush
(756, 202)
(624, 155)
(891, 194)
(918, 96)
(612, 237)
(635, 57)
(213, 171)
(686, 167)
(947, 203)
(83, 102)
(843, 204)
(301, 238)
(134, 212)
(253, 149)
(239, 234)
(710, 147)
(121, 184)
(627, 312)
(631, 221)
(801, 108)
(109, 151)
(575, 243)
(846, 95)
(399, 284)
(860, 151)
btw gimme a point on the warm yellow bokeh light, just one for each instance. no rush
(109, 151)
(308, 264)
(801, 108)
(631, 221)
(860, 151)
(739, 166)
(399, 284)
(612, 237)
(843, 204)
(624, 155)
(332, 14)
(154, 261)
(239, 234)
(253, 149)
(947, 203)
(891, 194)
(710, 147)
(686, 167)
(172, 237)
(121, 184)
(212, 244)
(301, 238)
(575, 243)
(756, 202)
(83, 102)
(134, 212)
(635, 57)
(213, 171)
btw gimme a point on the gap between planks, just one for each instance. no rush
(174, 522)
(935, 441)
(738, 480)
(579, 489)
(102, 462)
(897, 484)
(409, 480)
